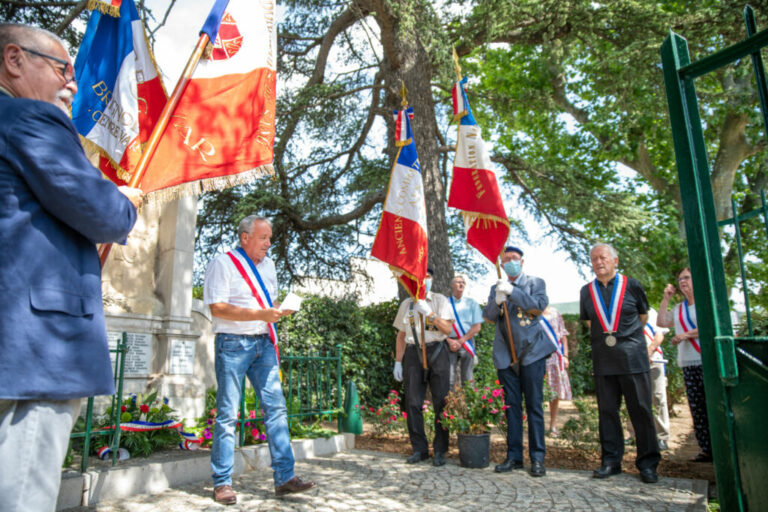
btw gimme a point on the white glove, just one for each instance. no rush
(398, 371)
(503, 289)
(474, 361)
(422, 307)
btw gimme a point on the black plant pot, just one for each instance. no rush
(474, 450)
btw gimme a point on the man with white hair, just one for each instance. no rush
(54, 207)
(468, 320)
(615, 309)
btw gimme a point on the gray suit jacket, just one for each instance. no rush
(528, 293)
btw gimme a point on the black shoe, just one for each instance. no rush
(439, 459)
(417, 457)
(508, 465)
(649, 476)
(605, 471)
(537, 468)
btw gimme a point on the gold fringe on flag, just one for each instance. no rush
(483, 220)
(209, 184)
(104, 8)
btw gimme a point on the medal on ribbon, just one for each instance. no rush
(609, 317)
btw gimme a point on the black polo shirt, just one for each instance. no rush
(629, 355)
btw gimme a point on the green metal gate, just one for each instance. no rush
(735, 373)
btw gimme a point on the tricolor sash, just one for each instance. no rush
(552, 337)
(650, 333)
(239, 266)
(609, 317)
(687, 323)
(461, 331)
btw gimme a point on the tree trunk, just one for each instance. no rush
(409, 61)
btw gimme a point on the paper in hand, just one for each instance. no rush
(291, 302)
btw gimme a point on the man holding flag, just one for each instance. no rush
(240, 289)
(55, 206)
(435, 315)
(515, 305)
(468, 321)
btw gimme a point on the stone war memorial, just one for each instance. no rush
(525, 193)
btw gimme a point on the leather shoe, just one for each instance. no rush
(294, 485)
(537, 468)
(508, 465)
(649, 476)
(417, 457)
(439, 459)
(224, 494)
(605, 471)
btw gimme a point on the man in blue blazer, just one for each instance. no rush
(54, 208)
(526, 298)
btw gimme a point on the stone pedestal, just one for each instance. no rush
(147, 287)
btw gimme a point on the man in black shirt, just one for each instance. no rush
(616, 309)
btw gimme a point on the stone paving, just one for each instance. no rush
(365, 480)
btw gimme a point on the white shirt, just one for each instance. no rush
(686, 354)
(406, 318)
(224, 283)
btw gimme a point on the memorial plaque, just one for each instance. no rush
(138, 357)
(182, 357)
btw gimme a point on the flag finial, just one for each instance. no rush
(403, 94)
(456, 64)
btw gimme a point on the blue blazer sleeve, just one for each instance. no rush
(46, 151)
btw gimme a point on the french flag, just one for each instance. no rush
(474, 189)
(120, 93)
(401, 240)
(222, 130)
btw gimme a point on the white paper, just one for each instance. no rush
(291, 302)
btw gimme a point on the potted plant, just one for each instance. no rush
(470, 411)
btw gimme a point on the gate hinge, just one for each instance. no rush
(726, 360)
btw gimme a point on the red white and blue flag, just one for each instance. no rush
(222, 130)
(120, 93)
(474, 189)
(401, 240)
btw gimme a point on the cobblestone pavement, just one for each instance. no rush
(364, 480)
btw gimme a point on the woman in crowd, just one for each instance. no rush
(557, 368)
(683, 319)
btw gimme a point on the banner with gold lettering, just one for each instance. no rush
(474, 189)
(120, 94)
(401, 239)
(222, 131)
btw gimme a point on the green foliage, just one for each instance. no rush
(473, 409)
(365, 334)
(582, 432)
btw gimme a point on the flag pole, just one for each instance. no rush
(162, 123)
(510, 339)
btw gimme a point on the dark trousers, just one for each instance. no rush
(530, 383)
(636, 390)
(438, 379)
(697, 401)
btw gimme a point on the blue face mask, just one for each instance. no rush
(513, 268)
(428, 284)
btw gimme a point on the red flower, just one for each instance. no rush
(123, 408)
(497, 382)
(405, 414)
(144, 408)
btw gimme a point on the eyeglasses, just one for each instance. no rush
(683, 278)
(66, 69)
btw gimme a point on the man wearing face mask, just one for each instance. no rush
(525, 297)
(436, 310)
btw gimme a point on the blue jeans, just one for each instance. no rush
(530, 383)
(238, 355)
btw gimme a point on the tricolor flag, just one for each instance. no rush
(120, 93)
(474, 189)
(222, 131)
(401, 239)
